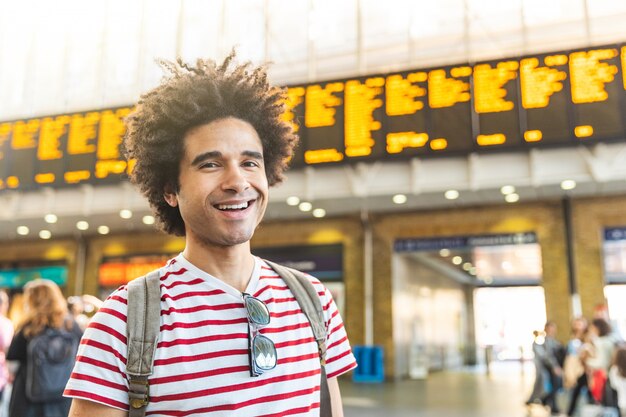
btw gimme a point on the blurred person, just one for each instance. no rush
(601, 311)
(548, 362)
(555, 356)
(77, 309)
(6, 335)
(83, 307)
(45, 308)
(208, 143)
(617, 378)
(574, 371)
(538, 347)
(600, 357)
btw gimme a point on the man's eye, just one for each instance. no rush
(208, 165)
(250, 164)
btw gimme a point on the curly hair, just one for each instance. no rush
(603, 326)
(192, 96)
(44, 305)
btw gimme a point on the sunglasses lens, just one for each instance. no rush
(257, 311)
(264, 353)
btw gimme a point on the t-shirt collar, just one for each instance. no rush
(182, 262)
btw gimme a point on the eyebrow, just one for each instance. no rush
(217, 154)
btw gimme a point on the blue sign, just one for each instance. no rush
(17, 278)
(462, 242)
(324, 262)
(615, 233)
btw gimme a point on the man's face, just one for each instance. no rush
(223, 188)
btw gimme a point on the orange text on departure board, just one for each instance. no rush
(489, 83)
(52, 129)
(5, 131)
(403, 95)
(538, 84)
(623, 60)
(320, 104)
(24, 134)
(361, 99)
(444, 91)
(110, 133)
(589, 75)
(82, 136)
(295, 97)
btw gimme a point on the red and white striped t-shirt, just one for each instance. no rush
(201, 364)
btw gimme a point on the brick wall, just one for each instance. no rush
(590, 217)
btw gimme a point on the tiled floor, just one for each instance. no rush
(463, 393)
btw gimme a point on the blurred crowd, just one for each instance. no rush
(589, 370)
(40, 309)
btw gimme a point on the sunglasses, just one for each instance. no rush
(262, 351)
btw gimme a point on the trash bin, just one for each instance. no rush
(370, 361)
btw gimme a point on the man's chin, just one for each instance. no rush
(232, 240)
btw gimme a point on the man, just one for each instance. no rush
(208, 142)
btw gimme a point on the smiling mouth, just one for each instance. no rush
(234, 207)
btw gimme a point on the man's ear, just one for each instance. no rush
(169, 195)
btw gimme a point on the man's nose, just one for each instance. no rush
(235, 180)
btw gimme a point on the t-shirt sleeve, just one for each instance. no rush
(339, 357)
(99, 372)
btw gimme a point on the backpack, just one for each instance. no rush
(143, 321)
(50, 357)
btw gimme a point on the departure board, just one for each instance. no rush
(563, 98)
(62, 150)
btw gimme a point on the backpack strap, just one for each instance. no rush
(143, 327)
(311, 306)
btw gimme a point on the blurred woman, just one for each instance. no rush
(44, 308)
(617, 377)
(600, 359)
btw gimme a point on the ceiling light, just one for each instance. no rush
(451, 194)
(22, 230)
(103, 230)
(457, 260)
(511, 198)
(148, 219)
(444, 252)
(82, 225)
(50, 218)
(568, 184)
(45, 234)
(305, 206)
(126, 214)
(293, 201)
(467, 266)
(319, 213)
(507, 189)
(399, 199)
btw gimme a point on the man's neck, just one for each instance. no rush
(233, 265)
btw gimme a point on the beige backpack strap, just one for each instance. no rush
(143, 328)
(311, 306)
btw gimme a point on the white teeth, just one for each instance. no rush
(232, 206)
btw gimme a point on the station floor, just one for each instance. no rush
(467, 392)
